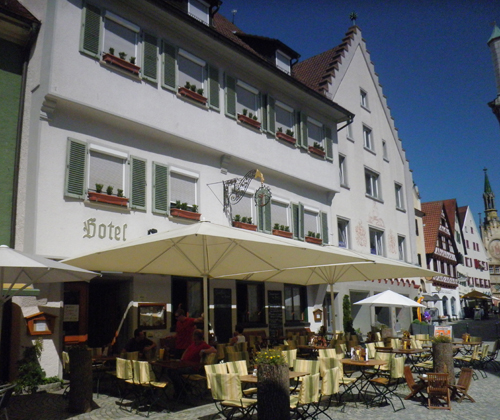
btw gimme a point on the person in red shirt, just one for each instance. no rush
(193, 355)
(184, 329)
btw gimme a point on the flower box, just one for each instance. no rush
(124, 64)
(286, 137)
(188, 93)
(316, 151)
(282, 233)
(247, 226)
(108, 199)
(186, 214)
(250, 121)
(314, 240)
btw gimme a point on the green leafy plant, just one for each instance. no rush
(194, 208)
(200, 92)
(441, 339)
(177, 204)
(111, 50)
(109, 190)
(184, 206)
(99, 187)
(237, 218)
(289, 133)
(193, 88)
(255, 117)
(318, 236)
(276, 226)
(249, 220)
(270, 357)
(244, 219)
(318, 146)
(280, 129)
(346, 307)
(123, 55)
(132, 60)
(287, 228)
(250, 115)
(119, 192)
(311, 234)
(245, 111)
(187, 85)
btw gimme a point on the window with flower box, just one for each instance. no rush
(243, 102)
(312, 133)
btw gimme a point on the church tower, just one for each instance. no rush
(490, 232)
(494, 44)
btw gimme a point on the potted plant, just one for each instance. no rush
(244, 223)
(189, 91)
(282, 230)
(99, 196)
(288, 136)
(98, 188)
(185, 211)
(313, 238)
(250, 119)
(121, 61)
(109, 190)
(317, 149)
(273, 390)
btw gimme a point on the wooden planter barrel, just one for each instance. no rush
(442, 355)
(80, 377)
(273, 392)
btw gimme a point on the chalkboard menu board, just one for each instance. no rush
(222, 315)
(275, 313)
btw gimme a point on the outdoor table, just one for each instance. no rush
(312, 350)
(252, 379)
(467, 347)
(409, 353)
(101, 365)
(363, 381)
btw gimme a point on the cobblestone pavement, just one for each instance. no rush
(52, 405)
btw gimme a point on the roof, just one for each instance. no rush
(450, 206)
(462, 212)
(432, 219)
(487, 185)
(317, 71)
(15, 9)
(494, 35)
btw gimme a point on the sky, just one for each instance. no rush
(435, 68)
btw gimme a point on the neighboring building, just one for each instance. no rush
(93, 118)
(441, 222)
(473, 273)
(494, 44)
(490, 233)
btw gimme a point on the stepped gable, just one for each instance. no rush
(318, 71)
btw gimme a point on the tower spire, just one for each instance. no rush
(489, 199)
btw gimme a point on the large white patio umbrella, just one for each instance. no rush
(19, 271)
(376, 268)
(389, 298)
(210, 250)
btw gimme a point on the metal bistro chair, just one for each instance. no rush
(240, 367)
(492, 355)
(308, 397)
(5, 394)
(330, 386)
(150, 390)
(385, 386)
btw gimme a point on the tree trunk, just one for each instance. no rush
(442, 354)
(80, 376)
(273, 392)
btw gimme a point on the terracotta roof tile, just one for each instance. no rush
(450, 206)
(431, 220)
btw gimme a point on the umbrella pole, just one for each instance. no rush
(332, 300)
(205, 307)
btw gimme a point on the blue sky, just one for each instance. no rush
(435, 68)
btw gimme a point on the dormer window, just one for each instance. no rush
(199, 10)
(283, 61)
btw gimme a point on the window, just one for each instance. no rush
(91, 164)
(343, 232)
(250, 303)
(467, 243)
(314, 132)
(363, 96)
(245, 206)
(376, 242)
(183, 187)
(398, 189)
(120, 35)
(416, 228)
(402, 248)
(190, 69)
(284, 117)
(372, 184)
(305, 220)
(419, 259)
(367, 138)
(247, 98)
(342, 171)
(349, 132)
(384, 150)
(280, 213)
(457, 237)
(471, 230)
(188, 292)
(295, 303)
(283, 61)
(311, 221)
(199, 10)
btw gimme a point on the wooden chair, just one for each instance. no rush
(461, 389)
(228, 397)
(438, 392)
(415, 387)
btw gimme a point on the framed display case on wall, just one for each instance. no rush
(152, 316)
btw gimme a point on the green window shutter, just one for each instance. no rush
(324, 227)
(303, 140)
(91, 30)
(301, 221)
(230, 96)
(271, 115)
(169, 66)
(263, 98)
(150, 58)
(328, 143)
(213, 87)
(76, 164)
(298, 221)
(160, 188)
(264, 218)
(137, 183)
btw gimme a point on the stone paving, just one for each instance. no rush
(52, 405)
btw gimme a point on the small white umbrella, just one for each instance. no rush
(19, 271)
(389, 298)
